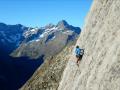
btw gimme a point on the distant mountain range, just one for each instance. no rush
(25, 44)
(20, 41)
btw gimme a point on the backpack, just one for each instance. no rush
(81, 51)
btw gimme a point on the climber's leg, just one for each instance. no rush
(77, 58)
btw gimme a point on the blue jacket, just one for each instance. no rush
(77, 51)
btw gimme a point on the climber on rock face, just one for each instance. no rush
(79, 53)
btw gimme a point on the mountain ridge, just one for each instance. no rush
(43, 41)
(14, 35)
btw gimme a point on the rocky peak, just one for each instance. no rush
(50, 25)
(2, 26)
(62, 24)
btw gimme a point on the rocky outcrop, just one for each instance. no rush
(100, 66)
(48, 76)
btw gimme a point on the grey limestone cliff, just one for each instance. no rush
(100, 66)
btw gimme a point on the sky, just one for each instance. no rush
(38, 13)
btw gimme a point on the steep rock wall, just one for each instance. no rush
(100, 66)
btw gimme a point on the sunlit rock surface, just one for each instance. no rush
(100, 66)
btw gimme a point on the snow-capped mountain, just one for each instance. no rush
(34, 42)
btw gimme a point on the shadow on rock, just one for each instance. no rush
(14, 72)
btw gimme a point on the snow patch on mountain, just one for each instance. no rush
(51, 29)
(42, 35)
(34, 40)
(50, 37)
(30, 32)
(37, 40)
(68, 32)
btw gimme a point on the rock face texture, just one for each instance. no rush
(48, 76)
(100, 66)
